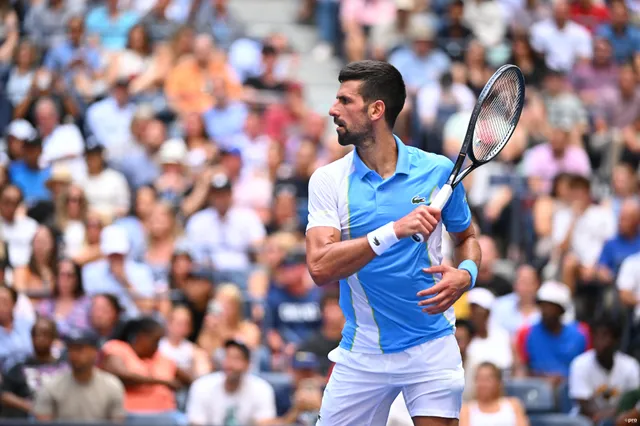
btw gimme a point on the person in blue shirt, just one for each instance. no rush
(293, 304)
(624, 37)
(395, 293)
(623, 245)
(112, 24)
(27, 174)
(546, 348)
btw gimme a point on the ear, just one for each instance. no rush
(376, 110)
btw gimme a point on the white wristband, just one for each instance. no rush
(382, 238)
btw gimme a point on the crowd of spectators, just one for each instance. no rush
(153, 201)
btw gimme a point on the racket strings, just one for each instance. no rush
(498, 116)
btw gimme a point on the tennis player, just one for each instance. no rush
(395, 294)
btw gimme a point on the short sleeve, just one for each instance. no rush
(456, 214)
(44, 402)
(266, 409)
(579, 387)
(197, 402)
(627, 280)
(116, 406)
(323, 201)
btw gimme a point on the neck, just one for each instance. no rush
(380, 156)
(481, 331)
(66, 297)
(554, 328)
(45, 357)
(231, 385)
(7, 323)
(605, 360)
(174, 340)
(94, 172)
(83, 376)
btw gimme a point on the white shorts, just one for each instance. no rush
(362, 387)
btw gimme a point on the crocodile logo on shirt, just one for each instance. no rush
(375, 241)
(418, 200)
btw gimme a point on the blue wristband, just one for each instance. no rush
(471, 267)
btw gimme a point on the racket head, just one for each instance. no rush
(495, 115)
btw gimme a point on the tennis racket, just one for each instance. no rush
(493, 120)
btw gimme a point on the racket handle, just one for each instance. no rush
(438, 202)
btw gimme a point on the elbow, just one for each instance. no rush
(318, 273)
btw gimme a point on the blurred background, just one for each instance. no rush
(154, 173)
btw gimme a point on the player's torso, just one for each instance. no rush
(382, 304)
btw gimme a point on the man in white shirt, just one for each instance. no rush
(561, 41)
(106, 189)
(231, 396)
(110, 121)
(628, 283)
(16, 231)
(598, 377)
(225, 234)
(62, 143)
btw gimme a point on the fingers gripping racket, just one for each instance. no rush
(493, 121)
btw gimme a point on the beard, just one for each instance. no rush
(357, 137)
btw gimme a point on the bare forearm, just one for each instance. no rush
(11, 400)
(468, 249)
(340, 260)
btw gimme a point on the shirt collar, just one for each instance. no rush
(402, 166)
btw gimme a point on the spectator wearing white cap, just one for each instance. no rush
(106, 189)
(172, 182)
(18, 132)
(546, 348)
(28, 174)
(490, 343)
(130, 281)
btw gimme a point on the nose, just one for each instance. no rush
(333, 112)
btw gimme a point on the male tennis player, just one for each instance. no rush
(395, 295)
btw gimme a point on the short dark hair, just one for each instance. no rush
(607, 322)
(380, 81)
(12, 292)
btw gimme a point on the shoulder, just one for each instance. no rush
(333, 172)
(201, 216)
(207, 383)
(628, 363)
(584, 360)
(108, 381)
(117, 348)
(259, 385)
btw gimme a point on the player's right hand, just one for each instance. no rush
(423, 220)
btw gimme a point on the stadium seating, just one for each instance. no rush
(558, 420)
(536, 394)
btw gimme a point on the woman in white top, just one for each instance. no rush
(176, 347)
(490, 407)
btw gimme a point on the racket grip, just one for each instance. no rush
(438, 202)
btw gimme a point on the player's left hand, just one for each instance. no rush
(453, 284)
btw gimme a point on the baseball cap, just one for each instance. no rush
(173, 151)
(481, 297)
(92, 144)
(22, 130)
(201, 273)
(220, 181)
(240, 345)
(114, 240)
(295, 256)
(231, 151)
(305, 361)
(555, 292)
(82, 337)
(59, 173)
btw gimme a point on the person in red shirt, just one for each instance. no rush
(589, 14)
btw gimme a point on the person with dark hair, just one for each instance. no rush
(22, 381)
(150, 378)
(363, 209)
(104, 316)
(15, 331)
(231, 396)
(83, 393)
(69, 305)
(599, 377)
